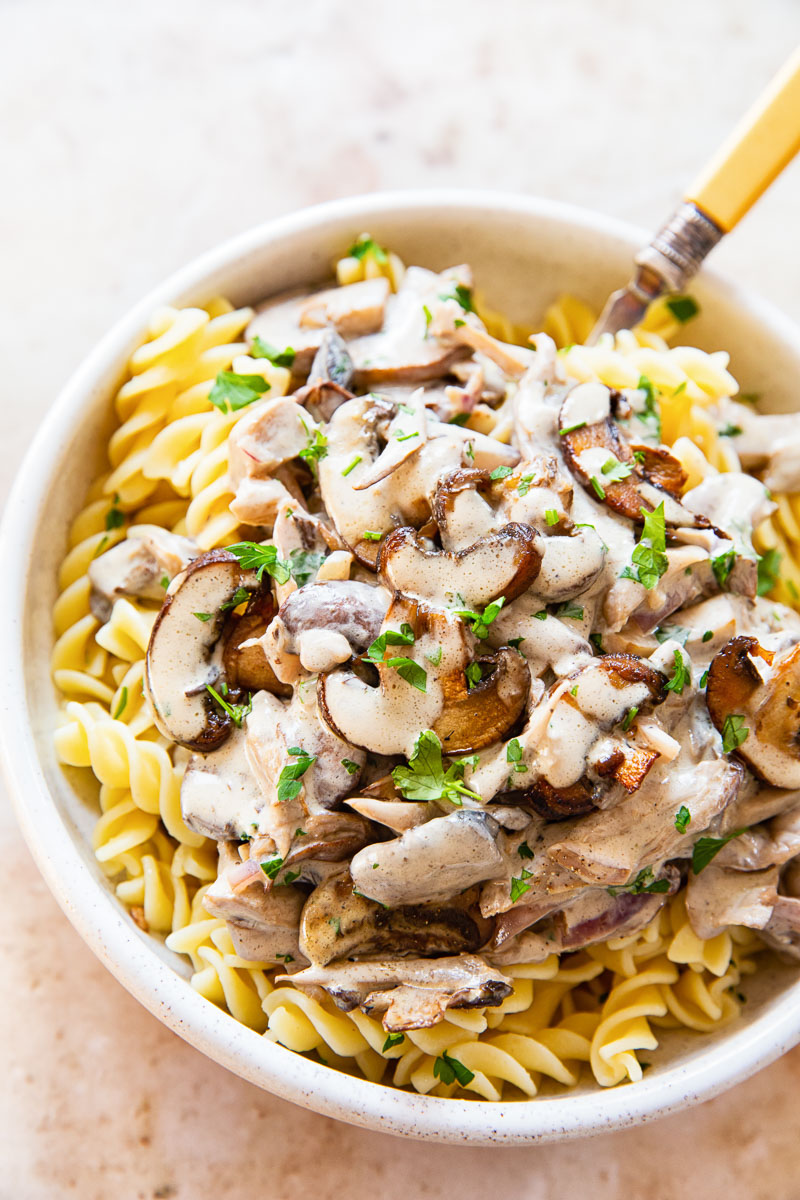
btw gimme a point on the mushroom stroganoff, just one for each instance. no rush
(442, 706)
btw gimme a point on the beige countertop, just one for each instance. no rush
(136, 136)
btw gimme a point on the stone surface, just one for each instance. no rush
(136, 136)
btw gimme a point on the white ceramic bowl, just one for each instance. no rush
(524, 253)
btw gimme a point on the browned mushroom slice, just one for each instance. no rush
(557, 804)
(718, 898)
(461, 508)
(186, 631)
(504, 563)
(220, 797)
(412, 993)
(137, 566)
(272, 919)
(757, 710)
(476, 717)
(330, 621)
(337, 922)
(397, 815)
(246, 666)
(589, 448)
(661, 468)
(329, 837)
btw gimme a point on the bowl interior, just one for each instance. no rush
(523, 254)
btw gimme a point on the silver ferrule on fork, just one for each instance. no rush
(679, 247)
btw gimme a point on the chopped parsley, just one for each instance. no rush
(411, 671)
(428, 318)
(336, 922)
(316, 448)
(425, 777)
(289, 784)
(123, 700)
(271, 866)
(524, 850)
(450, 1070)
(232, 392)
(707, 636)
(393, 1039)
(551, 516)
(371, 535)
(722, 566)
(115, 517)
(460, 419)
(305, 563)
(392, 637)
(683, 819)
(436, 657)
(255, 557)
(731, 430)
(707, 848)
(769, 565)
(524, 485)
(597, 641)
(501, 472)
(570, 610)
(675, 633)
(474, 674)
(541, 615)
(630, 717)
(236, 712)
(598, 487)
(614, 470)
(469, 452)
(462, 296)
(164, 582)
(482, 621)
(644, 882)
(365, 245)
(649, 557)
(651, 417)
(514, 755)
(516, 642)
(519, 885)
(683, 308)
(734, 732)
(352, 465)
(571, 428)
(239, 597)
(351, 767)
(278, 358)
(203, 616)
(680, 677)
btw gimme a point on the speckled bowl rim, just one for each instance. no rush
(100, 920)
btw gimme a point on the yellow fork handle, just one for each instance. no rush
(763, 143)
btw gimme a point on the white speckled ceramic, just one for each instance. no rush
(524, 253)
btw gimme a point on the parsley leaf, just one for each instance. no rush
(364, 245)
(683, 819)
(519, 886)
(203, 616)
(524, 485)
(707, 848)
(115, 517)
(676, 633)
(514, 755)
(305, 563)
(236, 712)
(239, 596)
(352, 465)
(643, 882)
(683, 308)
(769, 566)
(449, 1070)
(734, 732)
(255, 557)
(614, 470)
(123, 700)
(474, 675)
(289, 784)
(681, 676)
(482, 621)
(351, 767)
(524, 850)
(722, 566)
(630, 717)
(516, 642)
(649, 558)
(232, 392)
(278, 358)
(393, 1039)
(501, 472)
(551, 516)
(573, 611)
(405, 637)
(436, 657)
(651, 416)
(371, 535)
(731, 430)
(411, 671)
(316, 447)
(462, 295)
(271, 866)
(425, 777)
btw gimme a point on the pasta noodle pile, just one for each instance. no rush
(603, 1007)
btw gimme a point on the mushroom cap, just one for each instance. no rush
(768, 702)
(481, 715)
(178, 663)
(504, 563)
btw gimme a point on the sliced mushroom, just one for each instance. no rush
(558, 804)
(329, 837)
(300, 322)
(273, 917)
(404, 435)
(504, 563)
(411, 993)
(329, 378)
(338, 922)
(179, 656)
(403, 352)
(570, 565)
(746, 681)
(220, 797)
(258, 501)
(271, 433)
(244, 662)
(347, 610)
(433, 861)
(388, 718)
(718, 898)
(138, 566)
(460, 510)
(588, 449)
(397, 815)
